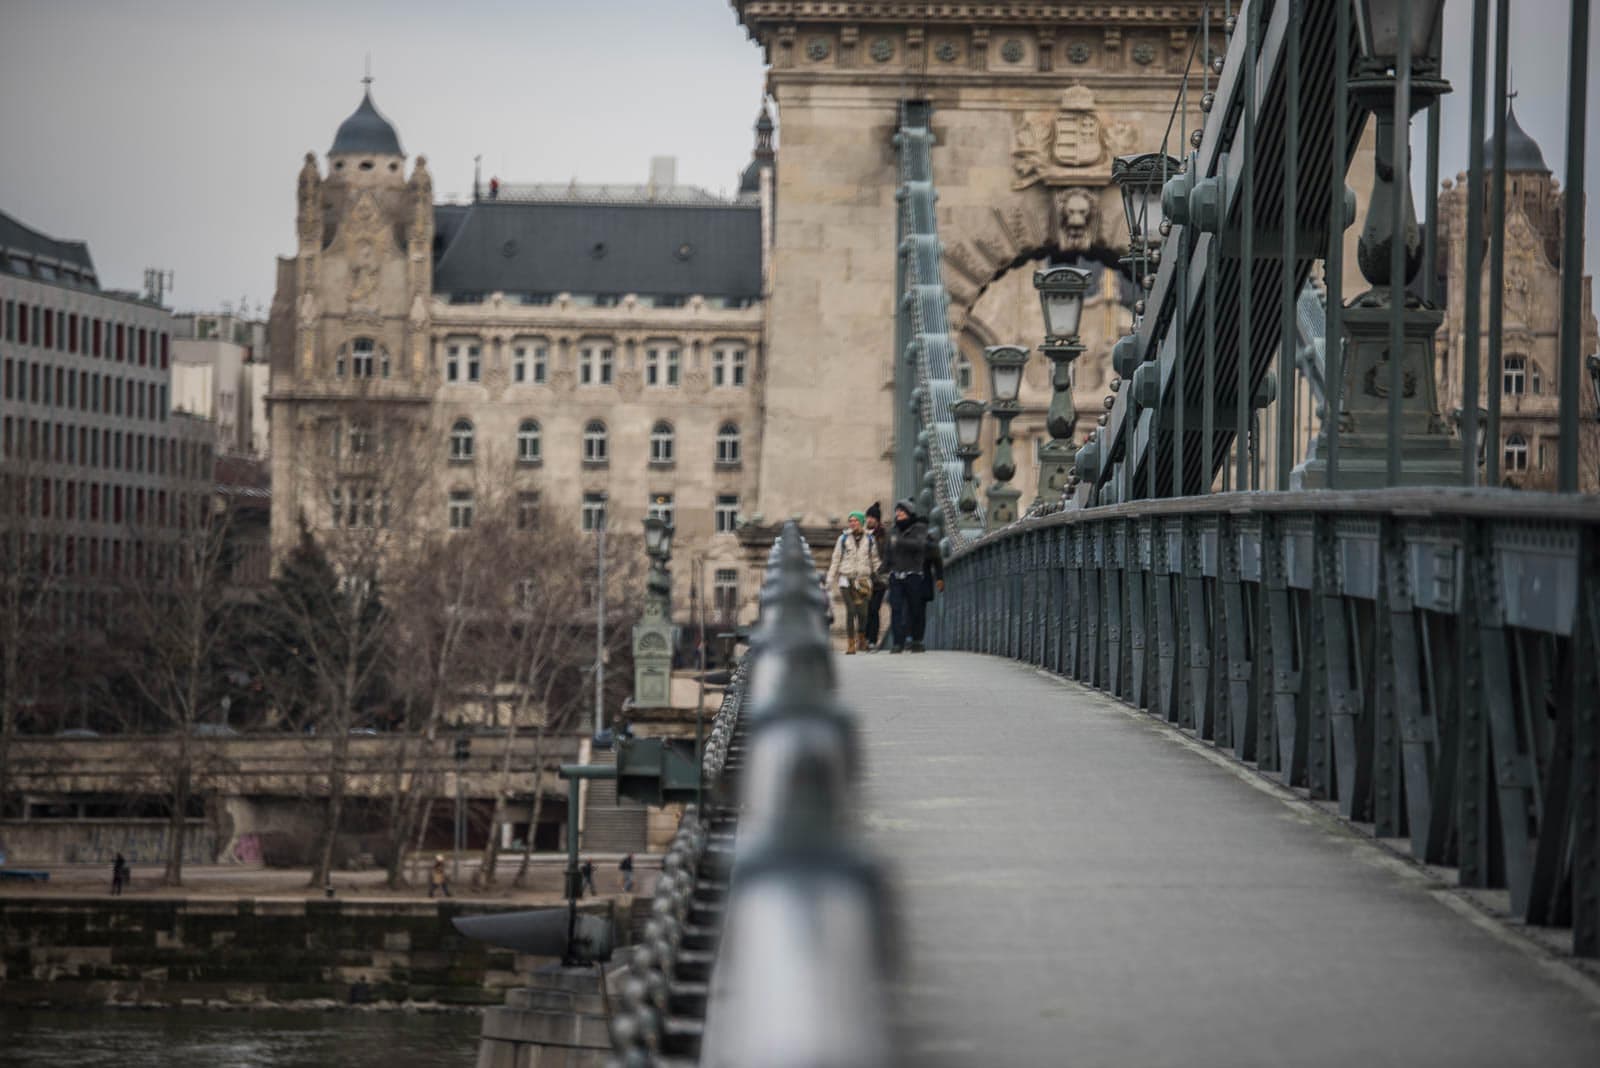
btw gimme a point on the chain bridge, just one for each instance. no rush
(1268, 731)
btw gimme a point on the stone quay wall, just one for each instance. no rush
(249, 951)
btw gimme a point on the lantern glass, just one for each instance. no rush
(655, 533)
(1061, 292)
(969, 422)
(1140, 179)
(1005, 372)
(666, 540)
(1379, 25)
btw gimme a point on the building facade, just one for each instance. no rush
(1528, 383)
(106, 469)
(591, 351)
(220, 372)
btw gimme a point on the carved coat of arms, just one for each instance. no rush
(1073, 147)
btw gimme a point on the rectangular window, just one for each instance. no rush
(474, 364)
(595, 363)
(164, 355)
(49, 330)
(728, 365)
(121, 344)
(72, 390)
(661, 508)
(144, 340)
(527, 509)
(594, 511)
(10, 379)
(661, 365)
(11, 320)
(97, 346)
(725, 594)
(727, 513)
(72, 333)
(460, 509)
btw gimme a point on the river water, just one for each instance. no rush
(184, 1038)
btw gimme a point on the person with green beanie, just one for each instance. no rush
(855, 561)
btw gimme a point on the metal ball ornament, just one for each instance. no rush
(1165, 227)
(1138, 306)
(1231, 23)
(1195, 137)
(1216, 64)
(1207, 101)
(1148, 281)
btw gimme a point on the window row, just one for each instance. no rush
(462, 503)
(82, 391)
(113, 450)
(103, 502)
(596, 443)
(83, 555)
(530, 362)
(62, 331)
(1516, 452)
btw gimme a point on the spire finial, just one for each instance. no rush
(366, 79)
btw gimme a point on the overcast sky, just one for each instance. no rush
(169, 132)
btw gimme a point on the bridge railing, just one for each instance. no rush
(770, 941)
(1425, 660)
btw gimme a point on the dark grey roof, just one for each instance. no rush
(366, 133)
(17, 239)
(1522, 152)
(646, 249)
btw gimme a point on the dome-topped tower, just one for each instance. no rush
(366, 133)
(1523, 155)
(761, 159)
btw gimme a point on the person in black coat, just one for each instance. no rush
(880, 581)
(915, 570)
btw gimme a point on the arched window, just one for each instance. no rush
(1514, 376)
(528, 442)
(594, 442)
(461, 440)
(963, 371)
(1516, 455)
(728, 444)
(661, 443)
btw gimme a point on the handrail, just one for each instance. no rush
(1426, 659)
(769, 940)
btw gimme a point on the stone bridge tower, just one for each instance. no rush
(1031, 101)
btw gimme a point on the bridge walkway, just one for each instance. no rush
(1081, 885)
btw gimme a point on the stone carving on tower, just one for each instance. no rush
(1073, 146)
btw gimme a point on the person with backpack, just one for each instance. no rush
(855, 561)
(872, 640)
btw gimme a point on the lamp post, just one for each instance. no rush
(1005, 385)
(1061, 293)
(1390, 429)
(968, 414)
(652, 635)
(1140, 178)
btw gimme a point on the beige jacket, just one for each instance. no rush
(853, 558)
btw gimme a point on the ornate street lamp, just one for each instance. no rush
(1396, 36)
(968, 415)
(1140, 177)
(1005, 385)
(1061, 293)
(652, 635)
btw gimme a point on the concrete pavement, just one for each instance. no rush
(1079, 887)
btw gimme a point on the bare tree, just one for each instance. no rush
(362, 487)
(30, 579)
(175, 619)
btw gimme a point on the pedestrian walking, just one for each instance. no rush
(915, 570)
(439, 878)
(119, 875)
(588, 877)
(872, 639)
(625, 866)
(855, 561)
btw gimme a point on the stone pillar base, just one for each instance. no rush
(557, 1021)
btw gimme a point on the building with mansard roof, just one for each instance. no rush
(594, 351)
